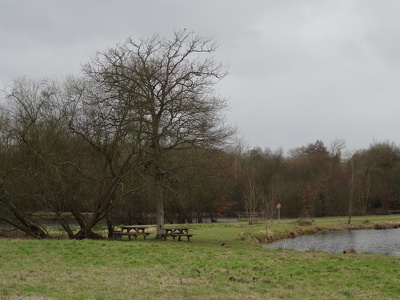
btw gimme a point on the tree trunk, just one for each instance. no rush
(110, 226)
(87, 233)
(30, 227)
(160, 207)
(351, 193)
(66, 226)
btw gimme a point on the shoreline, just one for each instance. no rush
(269, 236)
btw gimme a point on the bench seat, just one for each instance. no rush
(119, 234)
(178, 235)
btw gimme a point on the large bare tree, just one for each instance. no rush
(170, 85)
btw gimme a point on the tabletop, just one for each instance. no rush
(176, 229)
(134, 227)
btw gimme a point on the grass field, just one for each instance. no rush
(200, 269)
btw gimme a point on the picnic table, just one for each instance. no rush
(131, 230)
(177, 232)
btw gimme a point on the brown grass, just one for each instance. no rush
(386, 225)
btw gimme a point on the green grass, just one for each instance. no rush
(202, 268)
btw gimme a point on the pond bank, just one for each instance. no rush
(270, 236)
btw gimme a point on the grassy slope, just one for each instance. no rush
(64, 269)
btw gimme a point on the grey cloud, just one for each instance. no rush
(299, 70)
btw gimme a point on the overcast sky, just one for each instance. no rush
(299, 70)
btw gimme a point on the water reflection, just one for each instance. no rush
(363, 241)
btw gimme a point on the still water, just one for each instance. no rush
(385, 242)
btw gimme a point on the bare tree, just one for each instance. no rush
(72, 150)
(268, 204)
(351, 192)
(28, 145)
(252, 195)
(170, 84)
(101, 119)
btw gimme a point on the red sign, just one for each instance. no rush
(278, 206)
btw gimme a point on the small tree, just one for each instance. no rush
(351, 192)
(268, 205)
(308, 197)
(387, 198)
(252, 196)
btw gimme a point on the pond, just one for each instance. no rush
(386, 242)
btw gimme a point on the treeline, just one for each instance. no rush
(315, 180)
(141, 138)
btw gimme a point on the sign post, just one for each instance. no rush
(278, 206)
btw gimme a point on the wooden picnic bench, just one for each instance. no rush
(131, 230)
(247, 216)
(177, 232)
